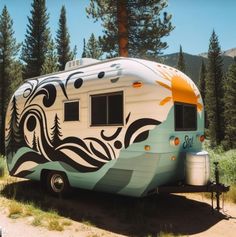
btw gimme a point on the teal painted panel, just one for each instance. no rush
(114, 180)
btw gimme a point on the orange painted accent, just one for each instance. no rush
(199, 107)
(164, 101)
(182, 90)
(164, 85)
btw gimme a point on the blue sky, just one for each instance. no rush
(194, 21)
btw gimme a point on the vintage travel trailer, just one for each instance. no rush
(124, 125)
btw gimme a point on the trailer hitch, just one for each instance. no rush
(212, 187)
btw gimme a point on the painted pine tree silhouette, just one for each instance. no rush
(56, 132)
(13, 138)
(34, 143)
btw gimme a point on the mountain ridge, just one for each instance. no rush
(229, 52)
(193, 62)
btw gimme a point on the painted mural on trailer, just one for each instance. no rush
(34, 138)
(47, 144)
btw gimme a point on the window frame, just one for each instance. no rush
(107, 94)
(64, 110)
(195, 117)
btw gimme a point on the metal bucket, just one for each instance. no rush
(197, 168)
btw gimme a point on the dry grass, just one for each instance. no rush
(37, 221)
(3, 167)
(87, 223)
(55, 225)
(51, 220)
(164, 234)
(15, 209)
(20, 209)
(231, 195)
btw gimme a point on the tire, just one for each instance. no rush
(57, 183)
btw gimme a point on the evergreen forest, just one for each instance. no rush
(132, 28)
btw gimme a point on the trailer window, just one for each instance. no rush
(71, 111)
(107, 109)
(185, 117)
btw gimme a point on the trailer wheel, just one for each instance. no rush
(57, 183)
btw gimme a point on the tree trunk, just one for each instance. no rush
(122, 18)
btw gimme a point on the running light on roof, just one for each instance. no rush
(137, 84)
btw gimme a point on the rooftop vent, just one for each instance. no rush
(80, 62)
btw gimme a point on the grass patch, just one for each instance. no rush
(18, 208)
(164, 234)
(231, 195)
(37, 221)
(15, 210)
(3, 167)
(87, 222)
(66, 223)
(48, 219)
(55, 225)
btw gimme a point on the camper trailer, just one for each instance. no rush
(124, 126)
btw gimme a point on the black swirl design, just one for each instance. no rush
(46, 144)
(71, 76)
(136, 125)
(117, 132)
(45, 87)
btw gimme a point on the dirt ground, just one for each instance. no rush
(112, 215)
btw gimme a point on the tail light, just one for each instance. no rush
(174, 141)
(202, 138)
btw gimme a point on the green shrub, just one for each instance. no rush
(227, 167)
(227, 163)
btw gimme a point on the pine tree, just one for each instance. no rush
(202, 81)
(34, 143)
(84, 50)
(63, 41)
(56, 133)
(13, 136)
(93, 49)
(181, 61)
(51, 61)
(37, 40)
(75, 52)
(8, 51)
(230, 108)
(202, 87)
(214, 92)
(16, 74)
(140, 20)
